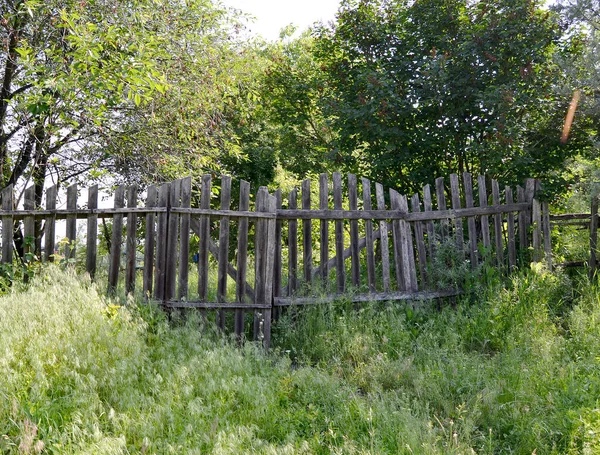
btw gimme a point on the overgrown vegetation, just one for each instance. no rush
(516, 372)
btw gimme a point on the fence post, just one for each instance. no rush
(161, 242)
(593, 237)
(271, 207)
(7, 225)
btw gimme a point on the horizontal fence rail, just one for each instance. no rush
(245, 258)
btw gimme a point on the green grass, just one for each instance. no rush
(516, 370)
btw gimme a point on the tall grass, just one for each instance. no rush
(515, 372)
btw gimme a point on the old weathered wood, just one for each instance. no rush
(408, 251)
(397, 237)
(340, 269)
(376, 297)
(278, 264)
(383, 239)
(71, 225)
(523, 223)
(92, 233)
(161, 243)
(50, 226)
(212, 305)
(184, 239)
(131, 240)
(307, 254)
(512, 250)
(324, 229)
(547, 236)
(149, 242)
(536, 219)
(419, 238)
(593, 267)
(270, 206)
(440, 194)
(428, 207)
(530, 189)
(570, 216)
(260, 252)
(115, 243)
(7, 225)
(223, 248)
(485, 221)
(370, 245)
(458, 222)
(204, 238)
(242, 259)
(471, 226)
(29, 228)
(498, 238)
(293, 245)
(355, 258)
(172, 237)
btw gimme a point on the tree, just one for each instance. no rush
(425, 88)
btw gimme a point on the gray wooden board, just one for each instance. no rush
(397, 237)
(498, 237)
(485, 220)
(172, 242)
(7, 225)
(339, 235)
(384, 296)
(92, 233)
(50, 226)
(149, 241)
(385, 249)
(471, 227)
(278, 264)
(293, 245)
(409, 268)
(115, 243)
(184, 239)
(440, 194)
(307, 253)
(510, 221)
(131, 240)
(71, 225)
(242, 259)
(458, 222)
(370, 246)
(593, 238)
(223, 248)
(324, 229)
(428, 207)
(419, 238)
(536, 218)
(353, 204)
(547, 235)
(204, 238)
(161, 244)
(29, 223)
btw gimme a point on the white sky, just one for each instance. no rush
(273, 15)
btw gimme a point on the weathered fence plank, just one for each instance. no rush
(260, 252)
(458, 222)
(172, 237)
(242, 259)
(115, 242)
(355, 258)
(161, 243)
(293, 244)
(440, 194)
(324, 229)
(498, 238)
(204, 238)
(92, 233)
(277, 272)
(29, 228)
(307, 254)
(471, 227)
(7, 225)
(149, 243)
(593, 266)
(370, 246)
(397, 237)
(339, 235)
(223, 248)
(131, 241)
(184, 239)
(428, 207)
(419, 237)
(512, 252)
(536, 219)
(485, 221)
(71, 228)
(547, 236)
(383, 239)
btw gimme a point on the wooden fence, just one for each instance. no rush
(257, 258)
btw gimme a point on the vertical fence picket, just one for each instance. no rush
(324, 229)
(92, 232)
(293, 245)
(471, 226)
(7, 225)
(419, 238)
(593, 265)
(172, 237)
(397, 236)
(367, 205)
(498, 238)
(512, 251)
(242, 258)
(536, 218)
(50, 226)
(307, 253)
(546, 232)
(204, 238)
(131, 251)
(277, 265)
(260, 251)
(184, 239)
(440, 195)
(223, 248)
(71, 229)
(115, 242)
(409, 268)
(383, 239)
(340, 269)
(458, 222)
(161, 244)
(149, 242)
(428, 207)
(271, 207)
(354, 251)
(29, 228)
(485, 220)
(522, 218)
